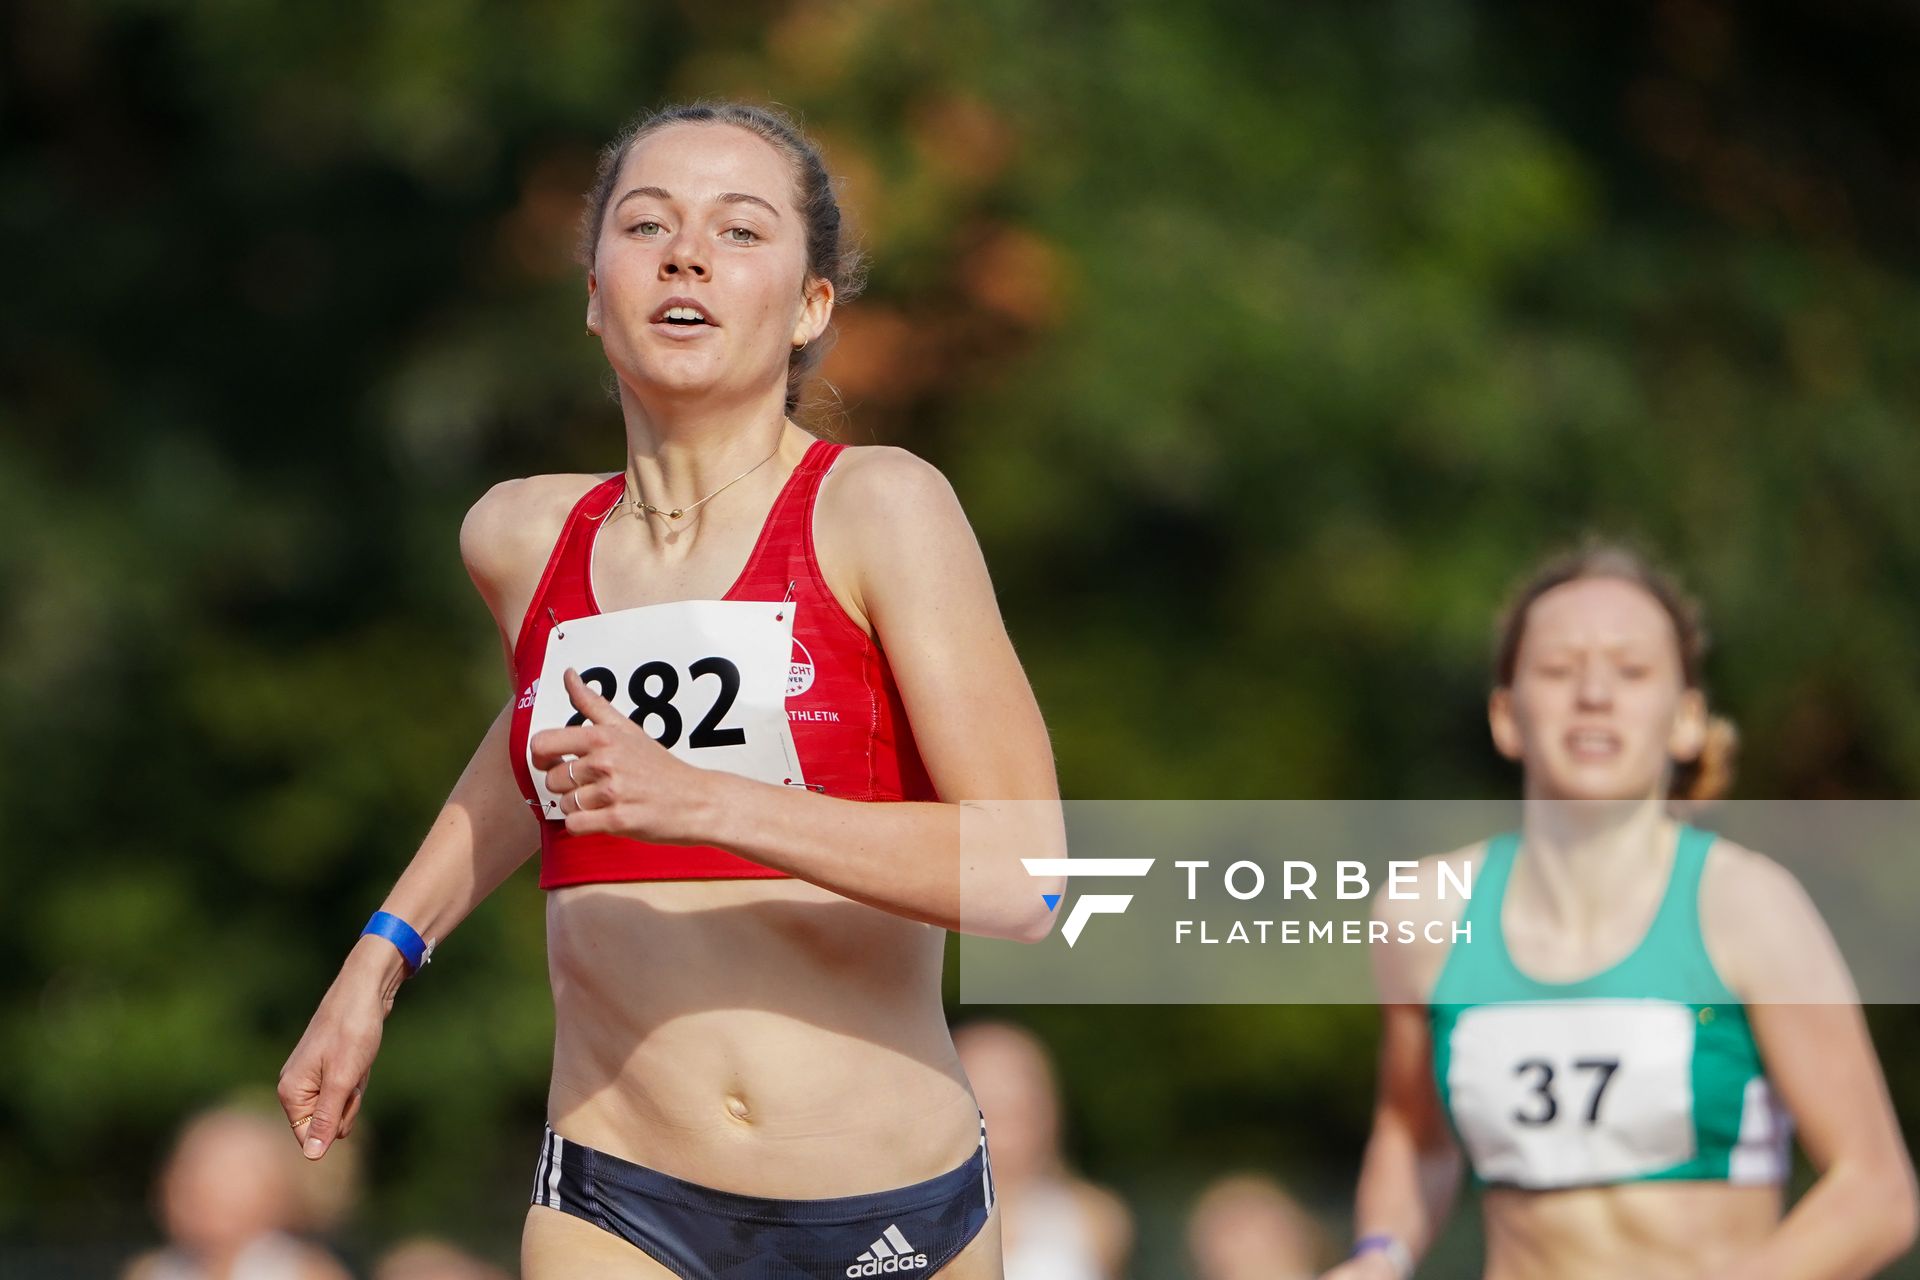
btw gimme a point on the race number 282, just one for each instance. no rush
(652, 687)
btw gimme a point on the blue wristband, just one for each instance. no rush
(1399, 1257)
(414, 949)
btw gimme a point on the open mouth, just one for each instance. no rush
(1593, 744)
(683, 313)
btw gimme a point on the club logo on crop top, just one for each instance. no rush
(800, 674)
(799, 680)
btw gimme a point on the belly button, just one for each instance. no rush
(737, 1108)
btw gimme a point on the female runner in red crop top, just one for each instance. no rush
(752, 1072)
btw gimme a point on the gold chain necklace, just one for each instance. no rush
(647, 508)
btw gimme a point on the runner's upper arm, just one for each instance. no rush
(485, 536)
(1404, 976)
(1404, 971)
(921, 579)
(1765, 935)
(1775, 952)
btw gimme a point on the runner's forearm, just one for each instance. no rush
(1852, 1222)
(482, 835)
(925, 860)
(1404, 1191)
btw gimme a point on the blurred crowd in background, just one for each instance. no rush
(235, 1200)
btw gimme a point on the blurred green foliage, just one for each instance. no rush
(1266, 345)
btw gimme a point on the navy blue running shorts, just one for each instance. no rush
(699, 1233)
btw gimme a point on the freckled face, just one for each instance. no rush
(700, 285)
(1598, 706)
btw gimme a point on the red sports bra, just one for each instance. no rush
(843, 709)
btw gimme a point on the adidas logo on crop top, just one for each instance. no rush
(773, 681)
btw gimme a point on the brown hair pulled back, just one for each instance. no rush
(1709, 776)
(831, 254)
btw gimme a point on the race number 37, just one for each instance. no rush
(706, 679)
(1563, 1094)
(1543, 1103)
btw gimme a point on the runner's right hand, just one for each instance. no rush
(325, 1077)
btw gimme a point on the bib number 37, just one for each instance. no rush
(706, 679)
(1544, 1100)
(1559, 1094)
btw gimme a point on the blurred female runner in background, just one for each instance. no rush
(1245, 1226)
(752, 1072)
(1638, 1001)
(235, 1205)
(1054, 1224)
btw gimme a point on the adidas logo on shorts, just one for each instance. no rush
(888, 1255)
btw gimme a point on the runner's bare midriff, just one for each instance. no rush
(766, 1037)
(1648, 1230)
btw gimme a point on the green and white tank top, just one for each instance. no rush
(1645, 1071)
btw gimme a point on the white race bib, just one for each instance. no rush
(707, 679)
(1556, 1095)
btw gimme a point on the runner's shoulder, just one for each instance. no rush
(1745, 876)
(885, 483)
(511, 529)
(1406, 969)
(1435, 893)
(1762, 928)
(1748, 896)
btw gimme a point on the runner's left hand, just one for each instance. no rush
(622, 782)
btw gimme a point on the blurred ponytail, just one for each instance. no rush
(1709, 776)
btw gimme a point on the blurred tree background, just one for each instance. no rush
(1266, 345)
